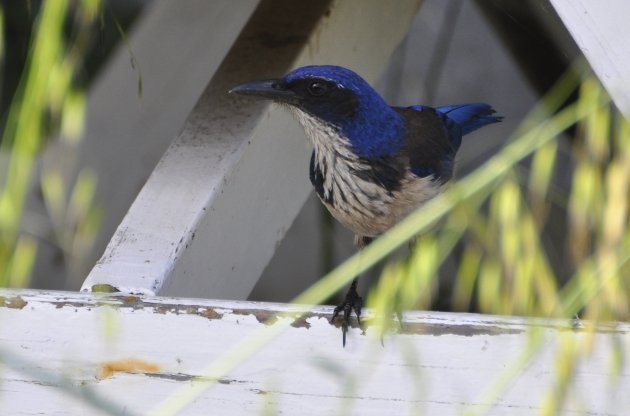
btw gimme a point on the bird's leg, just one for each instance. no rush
(352, 301)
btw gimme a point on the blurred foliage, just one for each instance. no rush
(505, 267)
(47, 104)
(500, 213)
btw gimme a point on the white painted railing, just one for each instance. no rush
(137, 352)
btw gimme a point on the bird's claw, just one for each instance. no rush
(352, 302)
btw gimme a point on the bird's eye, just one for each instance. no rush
(317, 88)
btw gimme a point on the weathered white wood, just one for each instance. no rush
(600, 28)
(440, 364)
(174, 48)
(209, 218)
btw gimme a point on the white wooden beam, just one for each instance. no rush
(600, 29)
(174, 48)
(135, 352)
(209, 218)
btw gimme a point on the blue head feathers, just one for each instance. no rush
(342, 99)
(371, 126)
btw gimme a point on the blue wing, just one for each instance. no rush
(435, 134)
(461, 119)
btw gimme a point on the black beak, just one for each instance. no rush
(272, 89)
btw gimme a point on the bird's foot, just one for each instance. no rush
(352, 302)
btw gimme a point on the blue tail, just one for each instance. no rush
(462, 119)
(470, 117)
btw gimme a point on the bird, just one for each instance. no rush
(372, 164)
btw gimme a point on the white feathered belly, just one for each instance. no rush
(369, 210)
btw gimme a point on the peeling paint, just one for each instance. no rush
(461, 330)
(231, 381)
(210, 314)
(133, 301)
(184, 377)
(172, 376)
(162, 310)
(15, 302)
(301, 322)
(262, 316)
(72, 304)
(300, 319)
(435, 329)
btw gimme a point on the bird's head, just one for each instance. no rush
(338, 98)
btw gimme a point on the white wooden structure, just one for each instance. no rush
(599, 29)
(137, 353)
(199, 215)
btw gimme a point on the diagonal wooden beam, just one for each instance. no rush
(174, 49)
(209, 218)
(600, 29)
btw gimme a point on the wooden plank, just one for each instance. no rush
(600, 29)
(440, 363)
(209, 218)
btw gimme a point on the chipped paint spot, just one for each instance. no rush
(162, 309)
(15, 302)
(264, 317)
(132, 301)
(461, 330)
(130, 365)
(75, 304)
(172, 376)
(210, 314)
(438, 329)
(189, 377)
(230, 381)
(301, 321)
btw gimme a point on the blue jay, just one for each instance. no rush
(372, 164)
